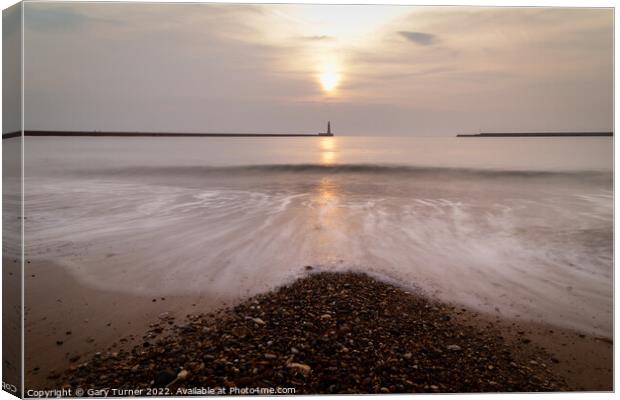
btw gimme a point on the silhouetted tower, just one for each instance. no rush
(329, 130)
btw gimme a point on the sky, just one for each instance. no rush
(371, 70)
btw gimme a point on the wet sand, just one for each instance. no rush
(65, 320)
(67, 324)
(11, 319)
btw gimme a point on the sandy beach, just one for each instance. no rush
(65, 320)
(79, 336)
(11, 319)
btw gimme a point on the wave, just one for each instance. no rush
(542, 251)
(376, 169)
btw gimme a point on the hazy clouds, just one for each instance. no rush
(422, 38)
(404, 70)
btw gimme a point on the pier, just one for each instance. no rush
(538, 134)
(153, 134)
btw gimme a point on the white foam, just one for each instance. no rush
(520, 250)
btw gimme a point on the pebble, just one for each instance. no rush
(163, 378)
(303, 367)
(385, 340)
(182, 375)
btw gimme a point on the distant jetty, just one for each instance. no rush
(537, 134)
(155, 134)
(161, 134)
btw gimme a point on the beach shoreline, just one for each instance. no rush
(80, 323)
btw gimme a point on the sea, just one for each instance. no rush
(517, 227)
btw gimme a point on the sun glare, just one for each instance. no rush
(329, 78)
(328, 150)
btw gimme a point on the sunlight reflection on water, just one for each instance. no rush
(328, 150)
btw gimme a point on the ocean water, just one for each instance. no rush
(518, 227)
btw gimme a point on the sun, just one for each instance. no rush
(329, 78)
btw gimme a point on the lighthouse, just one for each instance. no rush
(329, 130)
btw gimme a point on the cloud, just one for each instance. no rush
(320, 38)
(421, 38)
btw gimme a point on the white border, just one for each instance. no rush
(489, 3)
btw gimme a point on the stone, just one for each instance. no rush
(302, 367)
(239, 331)
(163, 378)
(182, 375)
